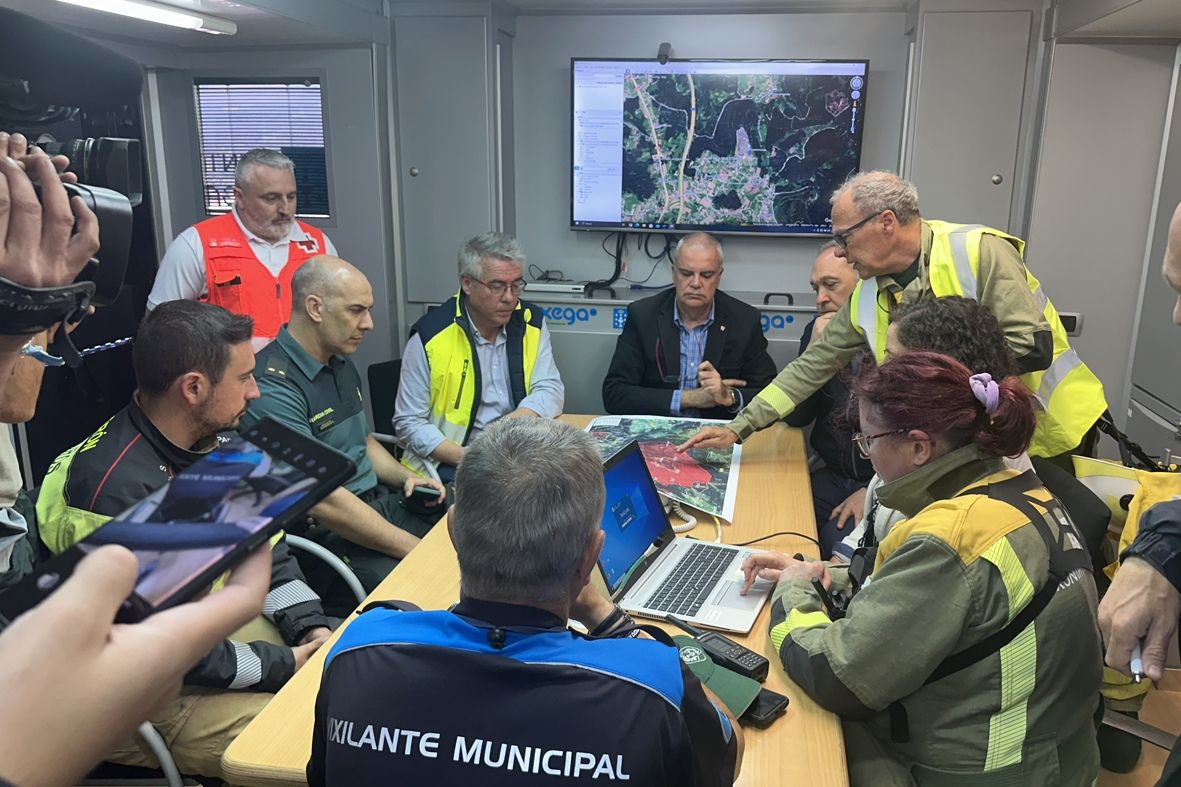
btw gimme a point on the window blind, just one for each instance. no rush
(235, 116)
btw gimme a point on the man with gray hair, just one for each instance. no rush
(690, 351)
(482, 355)
(498, 687)
(901, 258)
(243, 260)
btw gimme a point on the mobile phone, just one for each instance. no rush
(203, 521)
(425, 494)
(767, 707)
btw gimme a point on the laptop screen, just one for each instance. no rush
(633, 517)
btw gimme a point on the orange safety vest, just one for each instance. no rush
(238, 282)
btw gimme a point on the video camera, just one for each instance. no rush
(41, 88)
(110, 178)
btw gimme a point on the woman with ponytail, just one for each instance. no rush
(972, 657)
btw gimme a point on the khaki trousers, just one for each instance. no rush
(201, 723)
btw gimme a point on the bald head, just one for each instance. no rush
(1171, 267)
(323, 276)
(331, 302)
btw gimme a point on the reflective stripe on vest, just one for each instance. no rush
(952, 270)
(863, 311)
(455, 383)
(237, 281)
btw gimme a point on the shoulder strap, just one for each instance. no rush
(1012, 491)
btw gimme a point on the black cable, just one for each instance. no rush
(620, 239)
(780, 533)
(541, 274)
(665, 253)
(644, 280)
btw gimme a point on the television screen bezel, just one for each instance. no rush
(711, 229)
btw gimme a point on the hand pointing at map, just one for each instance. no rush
(710, 437)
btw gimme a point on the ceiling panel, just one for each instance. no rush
(255, 27)
(1142, 19)
(698, 6)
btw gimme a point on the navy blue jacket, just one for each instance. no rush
(428, 698)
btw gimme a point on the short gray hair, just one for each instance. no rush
(699, 239)
(879, 190)
(528, 499)
(497, 245)
(828, 244)
(259, 157)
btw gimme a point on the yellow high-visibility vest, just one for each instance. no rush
(1070, 394)
(456, 386)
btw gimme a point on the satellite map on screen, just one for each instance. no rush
(749, 149)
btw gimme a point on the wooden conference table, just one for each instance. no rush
(802, 747)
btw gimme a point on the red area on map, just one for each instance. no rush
(670, 469)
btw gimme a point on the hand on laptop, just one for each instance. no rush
(776, 566)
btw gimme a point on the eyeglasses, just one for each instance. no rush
(842, 238)
(498, 288)
(863, 440)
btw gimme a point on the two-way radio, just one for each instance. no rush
(726, 652)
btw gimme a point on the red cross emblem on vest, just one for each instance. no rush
(308, 245)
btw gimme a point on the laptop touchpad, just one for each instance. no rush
(731, 597)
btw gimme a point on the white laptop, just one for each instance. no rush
(652, 573)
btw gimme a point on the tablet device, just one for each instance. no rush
(205, 520)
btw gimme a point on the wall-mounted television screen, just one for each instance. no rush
(731, 146)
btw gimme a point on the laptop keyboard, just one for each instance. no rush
(692, 579)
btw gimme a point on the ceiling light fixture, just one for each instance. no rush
(150, 11)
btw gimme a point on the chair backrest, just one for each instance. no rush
(383, 390)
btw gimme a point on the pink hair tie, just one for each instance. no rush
(987, 392)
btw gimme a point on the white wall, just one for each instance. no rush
(542, 52)
(1104, 122)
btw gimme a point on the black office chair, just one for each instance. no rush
(383, 391)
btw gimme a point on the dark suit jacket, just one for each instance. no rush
(826, 411)
(646, 367)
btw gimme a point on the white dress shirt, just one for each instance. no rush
(181, 275)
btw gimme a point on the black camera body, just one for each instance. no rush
(108, 270)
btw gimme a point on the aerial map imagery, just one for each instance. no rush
(736, 149)
(706, 479)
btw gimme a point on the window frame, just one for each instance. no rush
(277, 78)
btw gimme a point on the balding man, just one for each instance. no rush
(690, 351)
(307, 381)
(838, 486)
(902, 257)
(243, 260)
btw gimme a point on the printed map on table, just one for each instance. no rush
(705, 478)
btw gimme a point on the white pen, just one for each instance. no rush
(1137, 663)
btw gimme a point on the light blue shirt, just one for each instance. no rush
(412, 424)
(692, 351)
